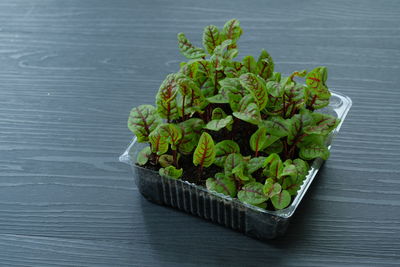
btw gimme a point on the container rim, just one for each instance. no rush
(341, 105)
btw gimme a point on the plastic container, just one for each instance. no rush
(218, 208)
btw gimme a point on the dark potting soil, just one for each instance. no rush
(240, 133)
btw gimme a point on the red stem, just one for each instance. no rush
(175, 158)
(294, 110)
(313, 101)
(183, 107)
(200, 173)
(285, 152)
(298, 140)
(216, 83)
(284, 106)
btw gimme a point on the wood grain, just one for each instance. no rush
(72, 70)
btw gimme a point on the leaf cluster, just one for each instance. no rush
(255, 128)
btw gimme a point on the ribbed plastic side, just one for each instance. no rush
(190, 199)
(223, 210)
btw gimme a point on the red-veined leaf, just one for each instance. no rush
(257, 88)
(142, 121)
(204, 153)
(188, 49)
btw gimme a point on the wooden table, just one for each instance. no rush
(71, 71)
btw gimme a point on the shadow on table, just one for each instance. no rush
(180, 238)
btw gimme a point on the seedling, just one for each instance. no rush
(235, 126)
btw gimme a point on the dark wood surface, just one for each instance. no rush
(70, 71)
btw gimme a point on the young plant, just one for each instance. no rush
(241, 128)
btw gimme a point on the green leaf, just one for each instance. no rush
(292, 183)
(223, 149)
(297, 94)
(270, 140)
(190, 69)
(297, 123)
(275, 147)
(172, 133)
(252, 193)
(166, 160)
(274, 165)
(158, 141)
(288, 170)
(313, 146)
(277, 126)
(166, 98)
(271, 189)
(250, 64)
(190, 98)
(302, 167)
(222, 184)
(258, 139)
(312, 151)
(218, 98)
(248, 110)
(294, 178)
(241, 172)
(275, 89)
(220, 58)
(218, 113)
(205, 69)
(191, 130)
(322, 124)
(204, 154)
(216, 125)
(320, 101)
(233, 161)
(230, 54)
(301, 73)
(208, 88)
(171, 172)
(251, 114)
(276, 168)
(256, 87)
(255, 163)
(221, 49)
(143, 156)
(187, 49)
(281, 200)
(211, 38)
(316, 80)
(142, 121)
(271, 158)
(265, 65)
(233, 83)
(230, 72)
(232, 31)
(233, 90)
(276, 76)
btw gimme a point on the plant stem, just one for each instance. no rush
(284, 106)
(293, 147)
(294, 110)
(285, 148)
(183, 106)
(200, 173)
(216, 83)
(313, 102)
(175, 158)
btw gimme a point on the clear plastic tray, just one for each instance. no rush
(230, 212)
